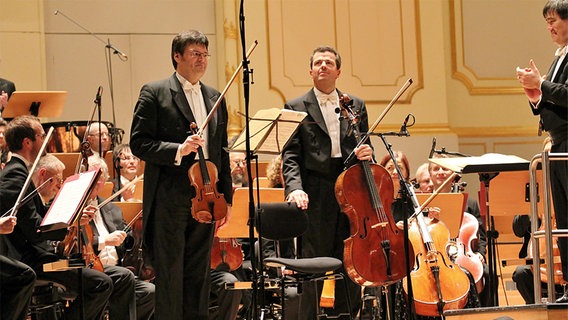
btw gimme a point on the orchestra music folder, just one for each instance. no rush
(43, 104)
(69, 201)
(269, 130)
(490, 162)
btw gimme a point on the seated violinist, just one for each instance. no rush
(422, 179)
(25, 137)
(132, 298)
(225, 303)
(403, 208)
(127, 166)
(98, 138)
(48, 167)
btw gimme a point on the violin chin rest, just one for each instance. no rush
(203, 216)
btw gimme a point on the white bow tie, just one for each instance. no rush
(187, 86)
(561, 51)
(328, 98)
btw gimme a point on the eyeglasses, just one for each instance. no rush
(241, 163)
(41, 135)
(104, 134)
(130, 158)
(197, 54)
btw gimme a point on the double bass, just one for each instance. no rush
(374, 253)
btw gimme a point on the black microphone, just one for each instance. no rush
(99, 94)
(403, 129)
(116, 51)
(433, 148)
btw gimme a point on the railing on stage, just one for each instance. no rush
(543, 158)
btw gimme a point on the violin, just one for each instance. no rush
(226, 254)
(437, 283)
(465, 257)
(374, 252)
(133, 258)
(69, 245)
(208, 205)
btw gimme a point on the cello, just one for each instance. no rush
(437, 283)
(374, 253)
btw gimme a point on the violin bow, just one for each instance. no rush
(30, 172)
(210, 115)
(434, 194)
(404, 87)
(126, 186)
(129, 225)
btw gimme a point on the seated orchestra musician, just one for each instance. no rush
(132, 297)
(225, 303)
(523, 275)
(126, 166)
(25, 136)
(402, 208)
(4, 152)
(422, 179)
(16, 280)
(98, 137)
(438, 175)
(50, 166)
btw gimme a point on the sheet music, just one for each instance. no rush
(69, 199)
(490, 162)
(270, 129)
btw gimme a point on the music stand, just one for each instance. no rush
(44, 104)
(449, 204)
(267, 132)
(488, 167)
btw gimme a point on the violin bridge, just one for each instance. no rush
(379, 225)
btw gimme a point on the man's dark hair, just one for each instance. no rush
(184, 39)
(558, 6)
(18, 129)
(326, 49)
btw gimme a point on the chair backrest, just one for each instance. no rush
(281, 220)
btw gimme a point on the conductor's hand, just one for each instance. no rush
(88, 214)
(300, 198)
(7, 224)
(531, 79)
(191, 144)
(115, 238)
(364, 152)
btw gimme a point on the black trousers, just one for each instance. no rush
(16, 288)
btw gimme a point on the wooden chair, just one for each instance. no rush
(107, 190)
(70, 160)
(129, 210)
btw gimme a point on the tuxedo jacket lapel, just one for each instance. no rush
(180, 100)
(313, 108)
